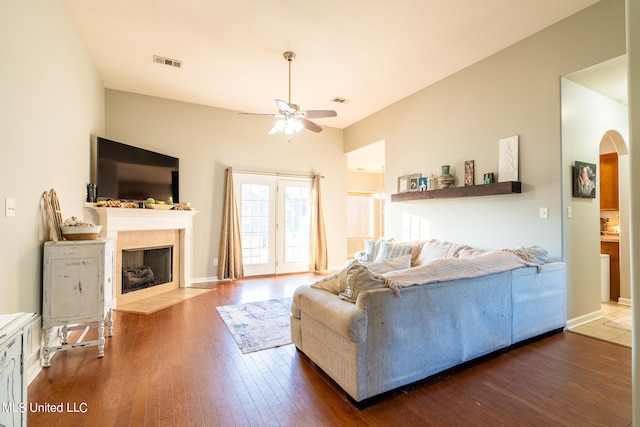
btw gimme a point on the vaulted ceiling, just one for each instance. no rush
(371, 53)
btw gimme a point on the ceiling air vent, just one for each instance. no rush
(340, 100)
(167, 61)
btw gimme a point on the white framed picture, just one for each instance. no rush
(508, 160)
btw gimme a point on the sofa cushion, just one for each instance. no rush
(359, 279)
(390, 249)
(430, 250)
(379, 267)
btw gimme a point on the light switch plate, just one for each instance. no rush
(9, 207)
(544, 213)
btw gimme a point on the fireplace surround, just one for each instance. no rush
(134, 229)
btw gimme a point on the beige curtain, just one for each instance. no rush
(318, 247)
(230, 251)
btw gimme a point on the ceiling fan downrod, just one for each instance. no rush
(289, 56)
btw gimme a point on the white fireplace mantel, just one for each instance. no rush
(115, 220)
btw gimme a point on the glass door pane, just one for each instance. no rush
(293, 236)
(255, 196)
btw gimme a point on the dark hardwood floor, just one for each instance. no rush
(180, 366)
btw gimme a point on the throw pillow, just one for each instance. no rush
(359, 279)
(371, 249)
(334, 283)
(379, 267)
(393, 250)
(435, 249)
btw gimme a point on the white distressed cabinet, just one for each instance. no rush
(13, 377)
(77, 292)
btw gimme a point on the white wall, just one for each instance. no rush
(515, 92)
(586, 117)
(207, 140)
(51, 101)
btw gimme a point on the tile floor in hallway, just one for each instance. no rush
(599, 329)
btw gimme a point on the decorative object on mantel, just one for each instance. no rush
(113, 203)
(422, 184)
(469, 173)
(446, 179)
(488, 178)
(53, 214)
(508, 160)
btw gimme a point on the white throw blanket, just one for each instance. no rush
(444, 269)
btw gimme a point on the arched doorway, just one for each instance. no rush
(614, 213)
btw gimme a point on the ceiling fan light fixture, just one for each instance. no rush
(292, 126)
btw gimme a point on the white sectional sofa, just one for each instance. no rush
(372, 329)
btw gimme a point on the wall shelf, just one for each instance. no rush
(494, 189)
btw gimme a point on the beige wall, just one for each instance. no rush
(586, 117)
(51, 101)
(207, 140)
(515, 92)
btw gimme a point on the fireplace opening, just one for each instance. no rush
(146, 267)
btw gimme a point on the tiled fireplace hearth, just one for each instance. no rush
(144, 230)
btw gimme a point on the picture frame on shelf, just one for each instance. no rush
(488, 178)
(403, 184)
(422, 184)
(469, 172)
(508, 159)
(414, 182)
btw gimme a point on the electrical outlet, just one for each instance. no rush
(9, 207)
(215, 261)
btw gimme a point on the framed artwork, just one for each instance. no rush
(508, 160)
(469, 172)
(414, 182)
(403, 184)
(422, 184)
(488, 178)
(584, 180)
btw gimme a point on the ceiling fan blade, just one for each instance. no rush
(308, 124)
(317, 114)
(284, 107)
(260, 114)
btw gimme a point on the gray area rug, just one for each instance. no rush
(258, 325)
(623, 322)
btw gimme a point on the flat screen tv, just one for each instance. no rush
(125, 172)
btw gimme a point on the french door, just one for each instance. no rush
(274, 215)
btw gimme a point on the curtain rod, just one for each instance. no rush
(289, 175)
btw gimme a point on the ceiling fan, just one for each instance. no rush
(291, 118)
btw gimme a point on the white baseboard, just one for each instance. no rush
(624, 301)
(586, 318)
(203, 280)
